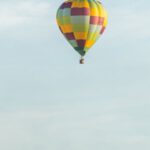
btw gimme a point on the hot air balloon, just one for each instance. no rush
(82, 22)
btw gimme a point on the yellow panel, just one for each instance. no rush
(105, 19)
(94, 12)
(66, 28)
(101, 11)
(80, 4)
(105, 22)
(103, 14)
(89, 43)
(80, 35)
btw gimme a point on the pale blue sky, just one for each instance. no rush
(50, 102)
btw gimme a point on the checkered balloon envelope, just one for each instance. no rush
(82, 22)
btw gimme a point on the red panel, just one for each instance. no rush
(96, 20)
(80, 11)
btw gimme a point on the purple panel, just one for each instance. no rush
(81, 43)
(66, 5)
(80, 11)
(70, 36)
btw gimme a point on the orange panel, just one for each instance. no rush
(66, 28)
(89, 43)
(80, 5)
(80, 35)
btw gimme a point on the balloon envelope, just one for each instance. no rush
(82, 22)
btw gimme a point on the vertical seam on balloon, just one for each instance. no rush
(98, 7)
(91, 24)
(72, 25)
(58, 14)
(65, 24)
(78, 46)
(98, 16)
(105, 18)
(63, 21)
(88, 27)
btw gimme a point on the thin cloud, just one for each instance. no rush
(14, 14)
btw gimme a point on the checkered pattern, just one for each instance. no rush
(82, 22)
